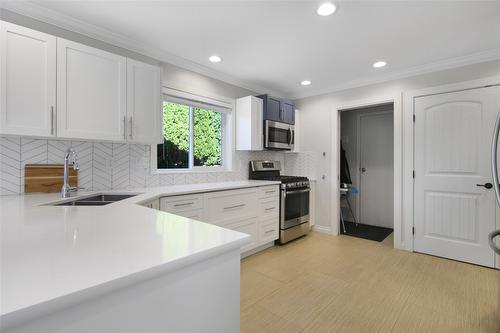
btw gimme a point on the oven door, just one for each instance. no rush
(294, 207)
(279, 135)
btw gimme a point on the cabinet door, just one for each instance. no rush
(247, 226)
(288, 112)
(272, 108)
(91, 88)
(28, 81)
(143, 102)
(230, 205)
(249, 124)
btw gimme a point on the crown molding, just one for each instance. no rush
(40, 13)
(409, 72)
(46, 15)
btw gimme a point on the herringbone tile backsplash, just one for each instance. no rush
(106, 166)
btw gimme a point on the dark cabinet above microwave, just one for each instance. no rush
(278, 109)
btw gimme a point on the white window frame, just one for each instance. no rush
(227, 132)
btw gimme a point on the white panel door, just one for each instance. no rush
(28, 81)
(377, 169)
(91, 92)
(144, 102)
(453, 215)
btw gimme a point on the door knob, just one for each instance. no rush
(487, 185)
(363, 169)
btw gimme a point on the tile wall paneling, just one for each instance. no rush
(106, 166)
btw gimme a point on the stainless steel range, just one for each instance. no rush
(294, 201)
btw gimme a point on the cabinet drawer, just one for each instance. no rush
(155, 204)
(269, 230)
(247, 226)
(195, 214)
(270, 206)
(269, 191)
(181, 203)
(229, 205)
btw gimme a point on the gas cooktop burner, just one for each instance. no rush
(270, 170)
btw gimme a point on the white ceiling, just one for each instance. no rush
(276, 44)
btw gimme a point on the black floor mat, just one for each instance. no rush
(365, 231)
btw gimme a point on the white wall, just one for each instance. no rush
(320, 123)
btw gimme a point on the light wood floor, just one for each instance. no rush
(322, 283)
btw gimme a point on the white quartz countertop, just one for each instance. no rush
(53, 252)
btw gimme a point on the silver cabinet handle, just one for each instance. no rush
(125, 127)
(491, 240)
(272, 191)
(131, 132)
(494, 166)
(236, 206)
(269, 231)
(52, 117)
(184, 204)
(270, 208)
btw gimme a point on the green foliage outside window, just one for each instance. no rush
(207, 143)
(207, 137)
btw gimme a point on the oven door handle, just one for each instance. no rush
(299, 191)
(289, 136)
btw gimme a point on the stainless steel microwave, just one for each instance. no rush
(278, 136)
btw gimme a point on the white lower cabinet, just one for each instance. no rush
(181, 203)
(224, 206)
(269, 230)
(248, 226)
(155, 204)
(195, 214)
(253, 211)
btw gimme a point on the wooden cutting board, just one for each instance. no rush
(47, 178)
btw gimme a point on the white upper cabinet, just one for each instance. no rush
(55, 87)
(144, 103)
(27, 81)
(249, 123)
(91, 92)
(296, 133)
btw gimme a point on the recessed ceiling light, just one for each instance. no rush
(305, 82)
(326, 9)
(379, 64)
(215, 58)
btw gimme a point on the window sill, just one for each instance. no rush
(200, 170)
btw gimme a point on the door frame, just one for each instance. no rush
(409, 151)
(396, 100)
(358, 148)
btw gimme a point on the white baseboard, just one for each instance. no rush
(257, 249)
(322, 229)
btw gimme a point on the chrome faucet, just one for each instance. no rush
(66, 189)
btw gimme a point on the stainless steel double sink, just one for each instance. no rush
(97, 200)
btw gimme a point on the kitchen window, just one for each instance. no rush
(195, 136)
